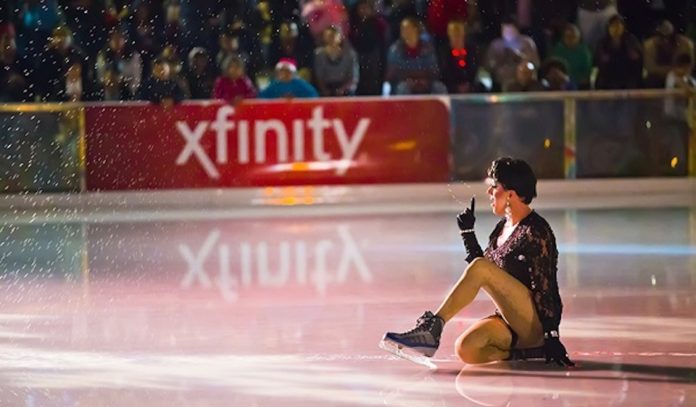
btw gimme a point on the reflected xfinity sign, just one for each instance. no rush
(224, 128)
(316, 263)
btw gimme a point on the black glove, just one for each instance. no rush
(554, 350)
(466, 221)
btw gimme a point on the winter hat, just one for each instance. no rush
(287, 63)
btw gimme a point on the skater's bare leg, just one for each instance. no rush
(485, 341)
(511, 297)
(464, 290)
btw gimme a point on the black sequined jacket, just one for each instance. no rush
(530, 255)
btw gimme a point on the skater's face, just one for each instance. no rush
(497, 195)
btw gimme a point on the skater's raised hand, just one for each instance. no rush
(554, 350)
(466, 219)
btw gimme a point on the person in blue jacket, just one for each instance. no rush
(287, 84)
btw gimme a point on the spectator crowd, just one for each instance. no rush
(166, 51)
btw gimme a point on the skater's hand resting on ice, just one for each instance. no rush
(554, 350)
(466, 219)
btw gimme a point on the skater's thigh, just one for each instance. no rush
(514, 301)
(490, 331)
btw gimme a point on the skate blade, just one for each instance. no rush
(407, 354)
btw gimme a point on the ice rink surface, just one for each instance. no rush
(287, 309)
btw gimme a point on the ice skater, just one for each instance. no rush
(517, 270)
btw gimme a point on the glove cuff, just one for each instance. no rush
(551, 334)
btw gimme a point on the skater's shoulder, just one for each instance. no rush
(535, 221)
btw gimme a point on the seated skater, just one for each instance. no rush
(517, 270)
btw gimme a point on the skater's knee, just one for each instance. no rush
(482, 342)
(478, 267)
(468, 347)
(468, 352)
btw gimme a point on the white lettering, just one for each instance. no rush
(351, 254)
(195, 263)
(265, 277)
(349, 146)
(321, 263)
(228, 285)
(321, 272)
(316, 128)
(301, 262)
(262, 127)
(298, 140)
(245, 260)
(243, 142)
(318, 124)
(221, 126)
(193, 147)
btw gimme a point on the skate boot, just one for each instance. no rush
(417, 344)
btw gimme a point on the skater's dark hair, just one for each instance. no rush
(516, 175)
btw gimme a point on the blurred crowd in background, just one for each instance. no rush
(166, 51)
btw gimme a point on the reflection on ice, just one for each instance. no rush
(313, 378)
(289, 310)
(634, 328)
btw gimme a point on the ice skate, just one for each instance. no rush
(419, 344)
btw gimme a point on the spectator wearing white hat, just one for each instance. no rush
(287, 83)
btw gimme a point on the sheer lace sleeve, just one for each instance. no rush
(543, 263)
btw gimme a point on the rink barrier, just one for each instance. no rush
(298, 142)
(578, 134)
(69, 147)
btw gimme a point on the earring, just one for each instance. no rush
(508, 211)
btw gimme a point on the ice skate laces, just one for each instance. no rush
(425, 323)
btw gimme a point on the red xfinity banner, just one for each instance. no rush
(267, 144)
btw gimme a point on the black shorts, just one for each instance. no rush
(498, 315)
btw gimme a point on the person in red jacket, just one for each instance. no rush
(234, 85)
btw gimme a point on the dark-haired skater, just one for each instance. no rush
(517, 270)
